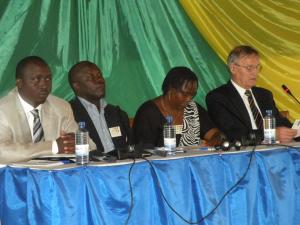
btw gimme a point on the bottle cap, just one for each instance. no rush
(269, 112)
(81, 124)
(169, 119)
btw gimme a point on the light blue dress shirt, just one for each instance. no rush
(99, 122)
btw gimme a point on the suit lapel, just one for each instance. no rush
(84, 114)
(259, 100)
(238, 106)
(21, 119)
(49, 122)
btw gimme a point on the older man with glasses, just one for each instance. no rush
(238, 107)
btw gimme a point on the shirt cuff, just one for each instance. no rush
(54, 147)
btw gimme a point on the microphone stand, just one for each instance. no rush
(287, 90)
(295, 98)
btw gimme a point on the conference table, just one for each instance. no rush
(258, 186)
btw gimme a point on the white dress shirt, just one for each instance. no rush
(27, 108)
(241, 91)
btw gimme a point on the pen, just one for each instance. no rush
(66, 161)
(206, 148)
(180, 151)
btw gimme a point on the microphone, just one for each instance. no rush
(253, 138)
(226, 145)
(287, 90)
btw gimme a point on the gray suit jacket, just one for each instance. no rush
(15, 136)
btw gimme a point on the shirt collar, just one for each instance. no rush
(26, 106)
(88, 104)
(240, 90)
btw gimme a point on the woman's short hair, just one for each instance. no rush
(177, 77)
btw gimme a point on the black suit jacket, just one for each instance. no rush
(228, 111)
(114, 117)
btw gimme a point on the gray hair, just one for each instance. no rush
(241, 50)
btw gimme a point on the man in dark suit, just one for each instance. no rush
(237, 108)
(108, 125)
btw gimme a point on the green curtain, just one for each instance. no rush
(272, 27)
(134, 42)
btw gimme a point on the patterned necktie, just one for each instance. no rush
(256, 115)
(38, 133)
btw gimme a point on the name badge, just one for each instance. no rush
(115, 131)
(178, 129)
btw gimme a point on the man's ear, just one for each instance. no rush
(76, 86)
(19, 83)
(232, 68)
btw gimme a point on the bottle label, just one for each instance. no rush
(170, 144)
(269, 136)
(82, 150)
(178, 129)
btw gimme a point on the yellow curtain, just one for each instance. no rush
(272, 27)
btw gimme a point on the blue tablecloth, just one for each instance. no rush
(269, 194)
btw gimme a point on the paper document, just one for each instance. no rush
(296, 126)
(54, 156)
(40, 163)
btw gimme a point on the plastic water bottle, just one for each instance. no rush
(81, 145)
(169, 136)
(269, 128)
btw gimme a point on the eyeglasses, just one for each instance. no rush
(250, 68)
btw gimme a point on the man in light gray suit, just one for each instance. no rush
(24, 135)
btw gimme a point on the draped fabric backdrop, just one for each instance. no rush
(272, 27)
(135, 42)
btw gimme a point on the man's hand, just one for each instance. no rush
(285, 134)
(214, 137)
(66, 143)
